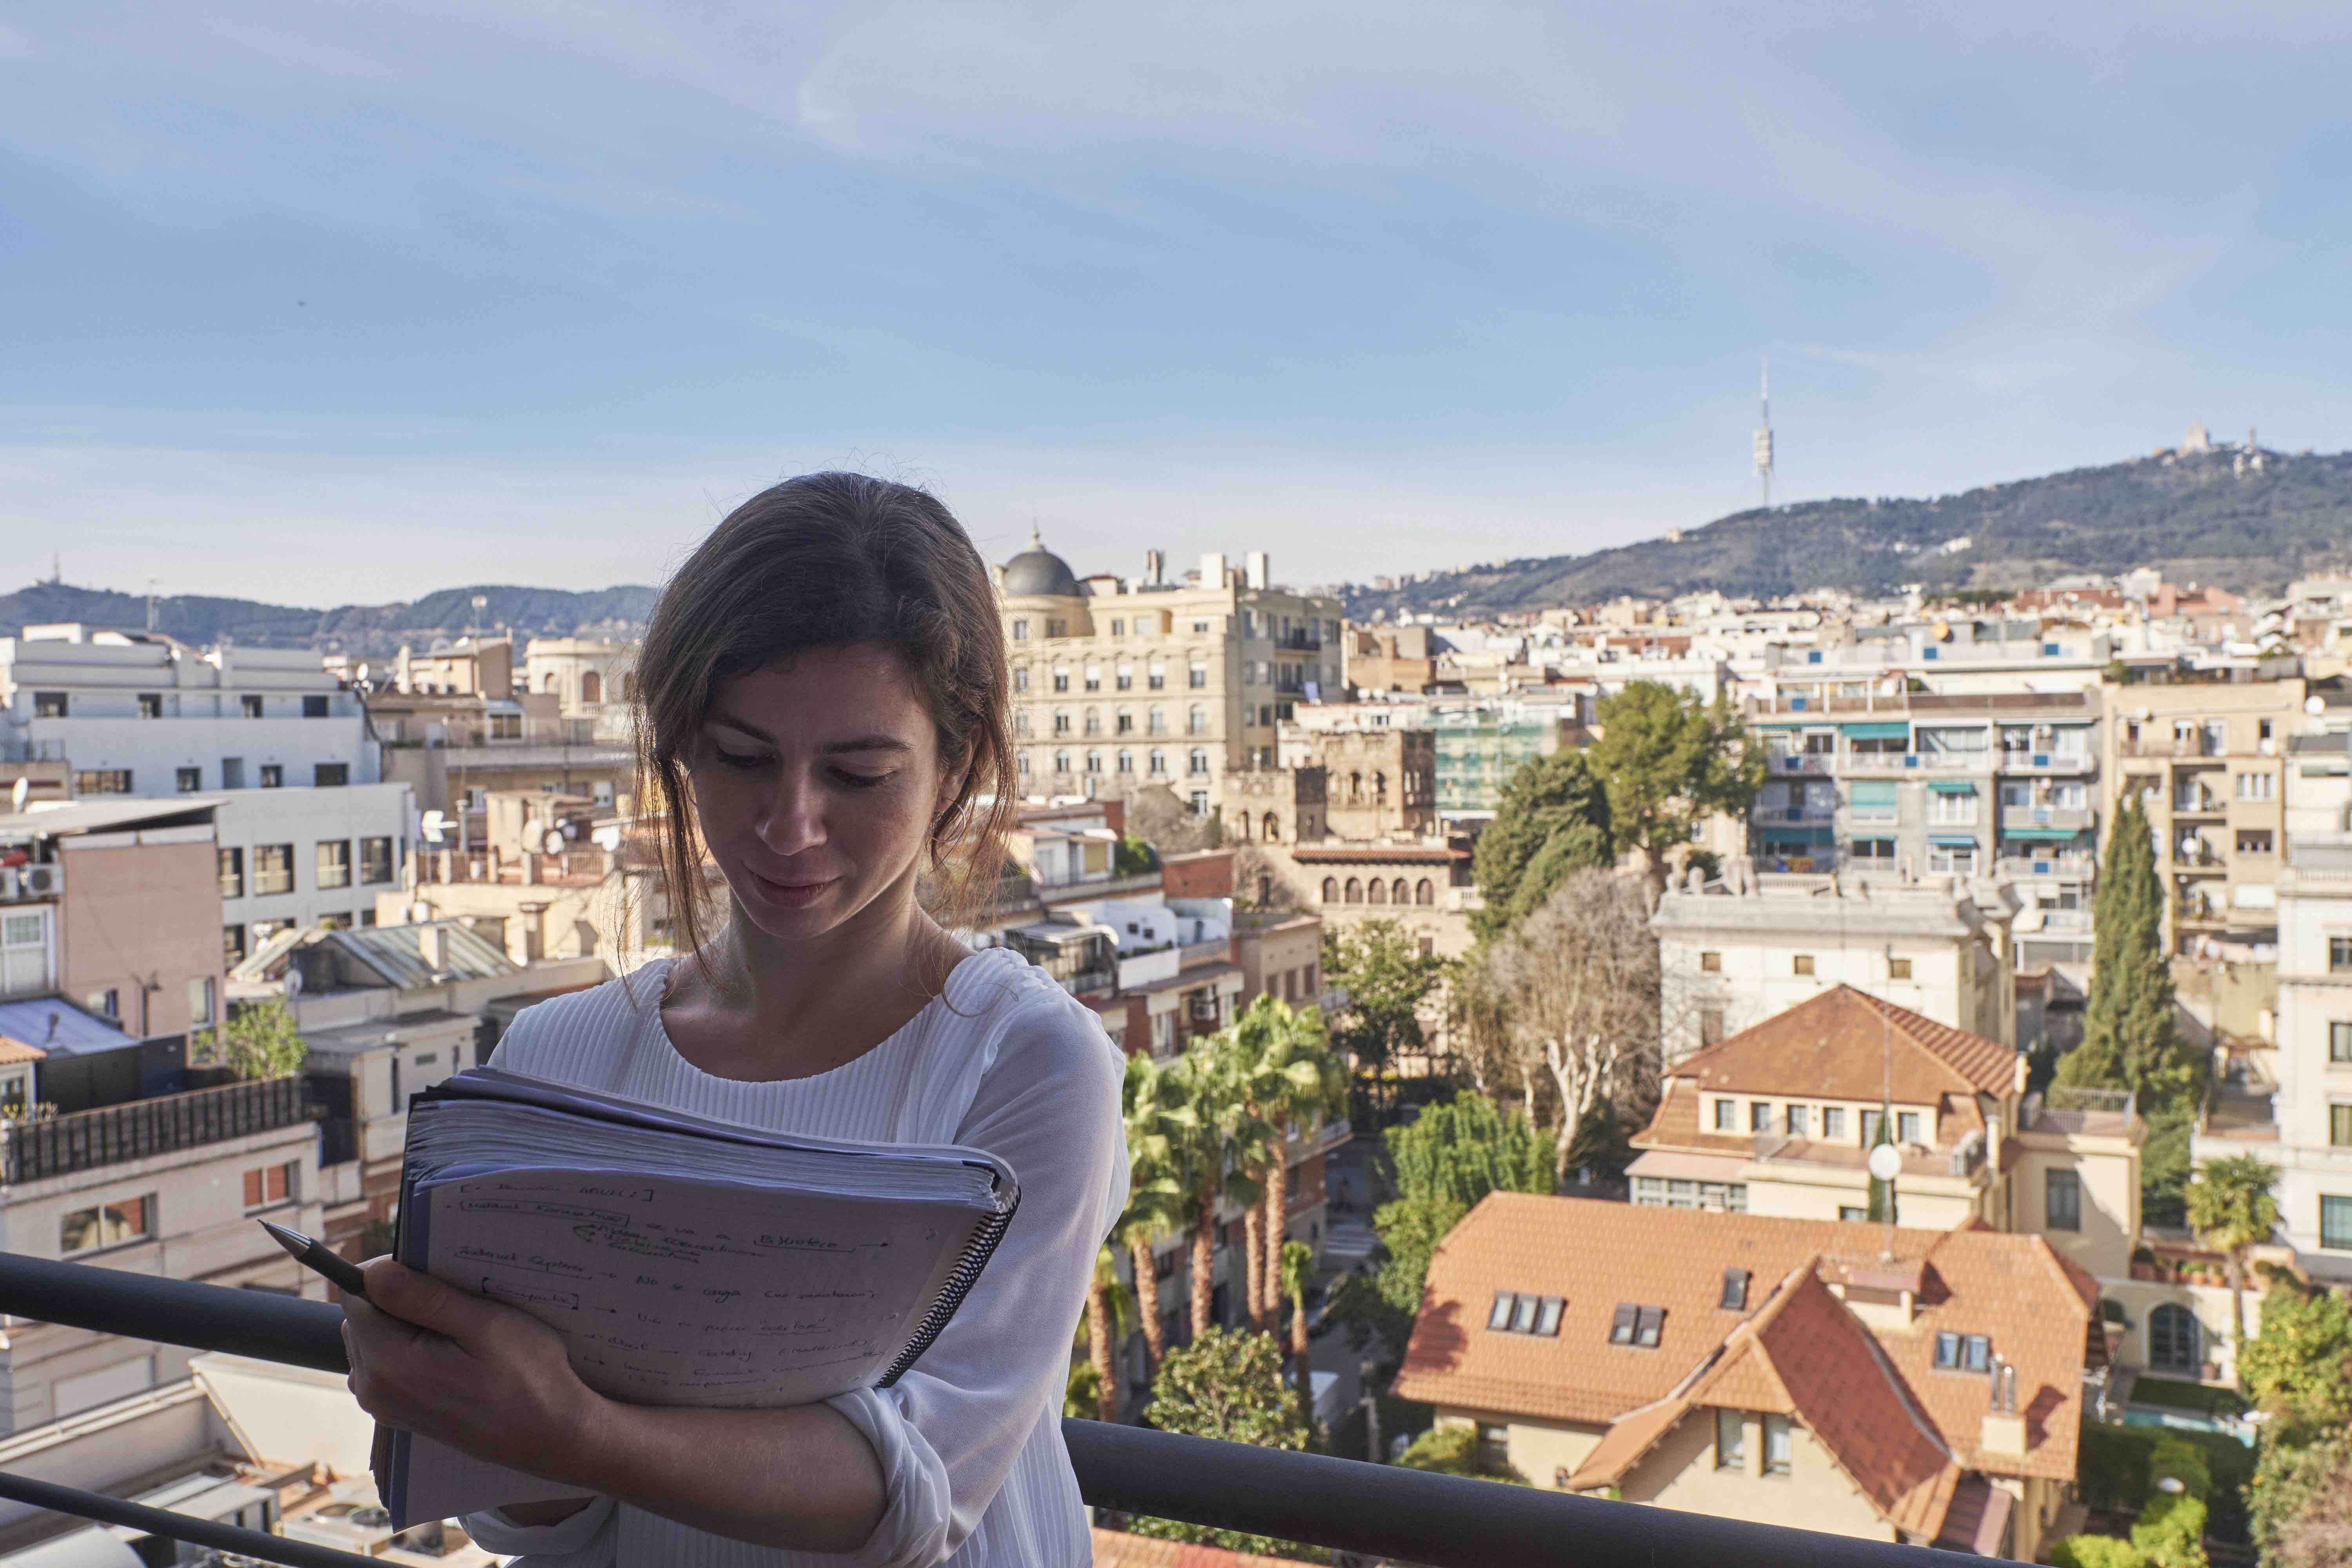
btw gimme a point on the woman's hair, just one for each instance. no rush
(827, 561)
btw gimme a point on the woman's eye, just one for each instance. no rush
(860, 781)
(746, 760)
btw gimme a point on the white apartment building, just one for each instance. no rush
(1737, 954)
(2309, 1135)
(135, 713)
(309, 857)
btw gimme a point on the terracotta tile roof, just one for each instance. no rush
(1116, 1549)
(1834, 1045)
(2033, 1305)
(13, 1049)
(1679, 1122)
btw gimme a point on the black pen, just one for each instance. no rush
(314, 1256)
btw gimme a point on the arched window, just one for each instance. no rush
(1422, 893)
(1355, 786)
(2172, 1339)
(1331, 890)
(1396, 891)
(1094, 762)
(1242, 826)
(1271, 828)
(1355, 891)
(1196, 721)
(1126, 761)
(1381, 787)
(1158, 764)
(1377, 893)
(1155, 722)
(1094, 722)
(547, 681)
(591, 687)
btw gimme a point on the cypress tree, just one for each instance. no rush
(2130, 1040)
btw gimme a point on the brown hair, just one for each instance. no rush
(827, 561)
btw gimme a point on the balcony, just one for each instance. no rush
(2196, 745)
(1346, 1505)
(86, 1139)
(2076, 817)
(2198, 804)
(2046, 762)
(2066, 868)
(1793, 815)
(1798, 761)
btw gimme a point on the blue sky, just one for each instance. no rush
(328, 302)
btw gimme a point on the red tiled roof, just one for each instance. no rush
(2033, 1305)
(1835, 1044)
(1116, 1549)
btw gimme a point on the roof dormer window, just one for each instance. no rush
(1637, 1325)
(1735, 1291)
(1524, 1312)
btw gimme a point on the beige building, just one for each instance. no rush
(2207, 760)
(1919, 1386)
(1120, 684)
(593, 681)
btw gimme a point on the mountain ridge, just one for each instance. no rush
(373, 630)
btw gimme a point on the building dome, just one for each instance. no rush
(1038, 570)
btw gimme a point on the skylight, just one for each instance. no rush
(1735, 1291)
(1637, 1325)
(1524, 1312)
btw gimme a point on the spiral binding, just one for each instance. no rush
(976, 1253)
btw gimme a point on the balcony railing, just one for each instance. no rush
(2045, 762)
(1792, 815)
(31, 1150)
(2068, 866)
(2074, 816)
(1349, 1505)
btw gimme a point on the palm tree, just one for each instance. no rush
(2231, 1206)
(1297, 1272)
(1156, 1202)
(1293, 1077)
(1198, 1148)
(1105, 1304)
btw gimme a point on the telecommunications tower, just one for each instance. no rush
(1764, 439)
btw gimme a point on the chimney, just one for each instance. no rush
(432, 944)
(2004, 1428)
(1254, 569)
(1155, 567)
(1213, 569)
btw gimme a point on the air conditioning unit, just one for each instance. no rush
(41, 882)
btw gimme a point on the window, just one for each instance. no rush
(2255, 841)
(1956, 808)
(108, 1224)
(2335, 1223)
(1907, 1127)
(103, 781)
(331, 775)
(1020, 631)
(1505, 1302)
(1094, 678)
(250, 706)
(1493, 1444)
(232, 946)
(2062, 1200)
(1331, 890)
(1872, 849)
(1057, 627)
(1760, 1117)
(1802, 963)
(2339, 1125)
(1196, 720)
(1198, 765)
(1126, 676)
(1872, 800)
(1776, 1445)
(1833, 1122)
(1158, 764)
(1898, 969)
(269, 1184)
(1355, 892)
(203, 997)
(1124, 725)
(273, 775)
(334, 863)
(106, 1004)
(1726, 1116)
(316, 707)
(231, 772)
(1155, 677)
(150, 705)
(1523, 1315)
(1870, 1125)
(273, 868)
(1198, 678)
(1061, 678)
(1022, 765)
(232, 873)
(1710, 1025)
(2339, 953)
(2173, 1340)
(2257, 786)
(1710, 964)
(375, 859)
(1963, 1353)
(1849, 1214)
(1731, 1440)
(1094, 722)
(51, 705)
(189, 780)
(1735, 1291)
(2339, 1041)
(1799, 1121)
(1093, 760)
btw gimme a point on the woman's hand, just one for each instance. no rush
(476, 1375)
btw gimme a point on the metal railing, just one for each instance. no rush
(1416, 1516)
(111, 1133)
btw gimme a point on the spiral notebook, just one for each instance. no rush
(685, 1261)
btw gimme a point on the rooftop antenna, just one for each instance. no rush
(57, 568)
(1764, 438)
(150, 604)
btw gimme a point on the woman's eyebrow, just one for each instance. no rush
(831, 748)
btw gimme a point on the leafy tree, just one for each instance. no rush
(1552, 819)
(1132, 857)
(1670, 762)
(1386, 979)
(1454, 1451)
(2095, 1551)
(2299, 1368)
(2170, 1530)
(2229, 1204)
(258, 1041)
(1227, 1385)
(1454, 1155)
(2129, 1037)
(2299, 1504)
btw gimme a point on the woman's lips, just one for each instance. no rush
(791, 895)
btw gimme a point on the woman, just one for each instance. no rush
(825, 709)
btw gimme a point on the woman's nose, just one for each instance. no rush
(795, 819)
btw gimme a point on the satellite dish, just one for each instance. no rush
(533, 837)
(606, 839)
(1885, 1162)
(433, 825)
(2315, 706)
(363, 673)
(22, 790)
(571, 830)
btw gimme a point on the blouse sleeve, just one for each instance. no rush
(948, 1432)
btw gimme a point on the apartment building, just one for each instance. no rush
(1732, 955)
(139, 714)
(456, 728)
(305, 855)
(1916, 1385)
(2000, 787)
(556, 877)
(2206, 759)
(113, 904)
(1120, 684)
(1949, 656)
(589, 679)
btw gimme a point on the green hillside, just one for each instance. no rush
(2200, 517)
(370, 629)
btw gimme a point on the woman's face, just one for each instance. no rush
(817, 781)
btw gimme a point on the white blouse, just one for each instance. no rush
(969, 1439)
